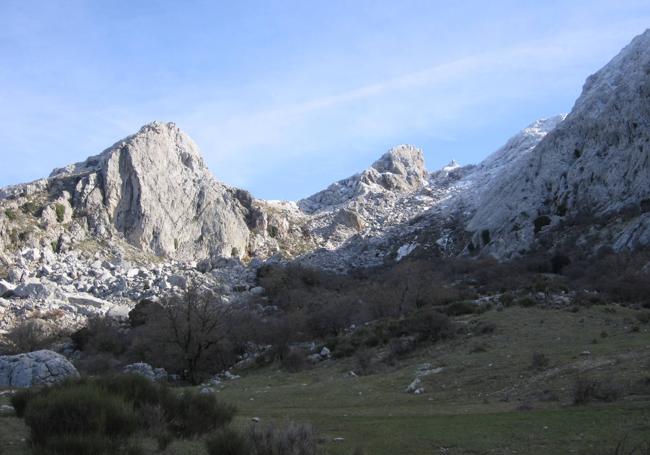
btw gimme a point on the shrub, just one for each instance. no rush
(192, 413)
(227, 442)
(586, 390)
(10, 214)
(272, 231)
(539, 361)
(20, 399)
(559, 262)
(59, 209)
(644, 317)
(31, 208)
(77, 444)
(484, 328)
(97, 364)
(72, 416)
(28, 336)
(526, 302)
(101, 334)
(461, 308)
(363, 361)
(426, 325)
(506, 299)
(398, 347)
(135, 389)
(293, 439)
(344, 348)
(163, 439)
(294, 360)
(80, 410)
(623, 447)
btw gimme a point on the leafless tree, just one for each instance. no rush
(194, 328)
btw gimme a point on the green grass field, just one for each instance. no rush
(486, 400)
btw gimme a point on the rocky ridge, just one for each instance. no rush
(146, 216)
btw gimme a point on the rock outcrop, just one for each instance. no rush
(155, 190)
(595, 163)
(400, 170)
(34, 369)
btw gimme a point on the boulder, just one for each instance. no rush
(146, 370)
(32, 288)
(82, 299)
(257, 290)
(6, 288)
(414, 386)
(178, 280)
(34, 369)
(31, 254)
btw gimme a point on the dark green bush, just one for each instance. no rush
(461, 308)
(426, 325)
(227, 442)
(344, 348)
(77, 444)
(135, 389)
(31, 208)
(59, 209)
(398, 347)
(192, 413)
(294, 360)
(74, 416)
(84, 409)
(586, 390)
(20, 399)
(526, 302)
(10, 214)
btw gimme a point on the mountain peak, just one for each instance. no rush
(154, 141)
(624, 73)
(453, 165)
(402, 159)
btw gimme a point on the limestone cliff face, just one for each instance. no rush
(595, 162)
(154, 188)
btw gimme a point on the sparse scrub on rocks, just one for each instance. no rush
(30, 335)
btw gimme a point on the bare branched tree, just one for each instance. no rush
(193, 328)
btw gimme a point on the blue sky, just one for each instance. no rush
(284, 97)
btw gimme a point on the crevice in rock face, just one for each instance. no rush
(128, 210)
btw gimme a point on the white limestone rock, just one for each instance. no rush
(35, 368)
(597, 161)
(155, 189)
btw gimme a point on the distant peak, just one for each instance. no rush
(154, 141)
(453, 165)
(402, 159)
(158, 126)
